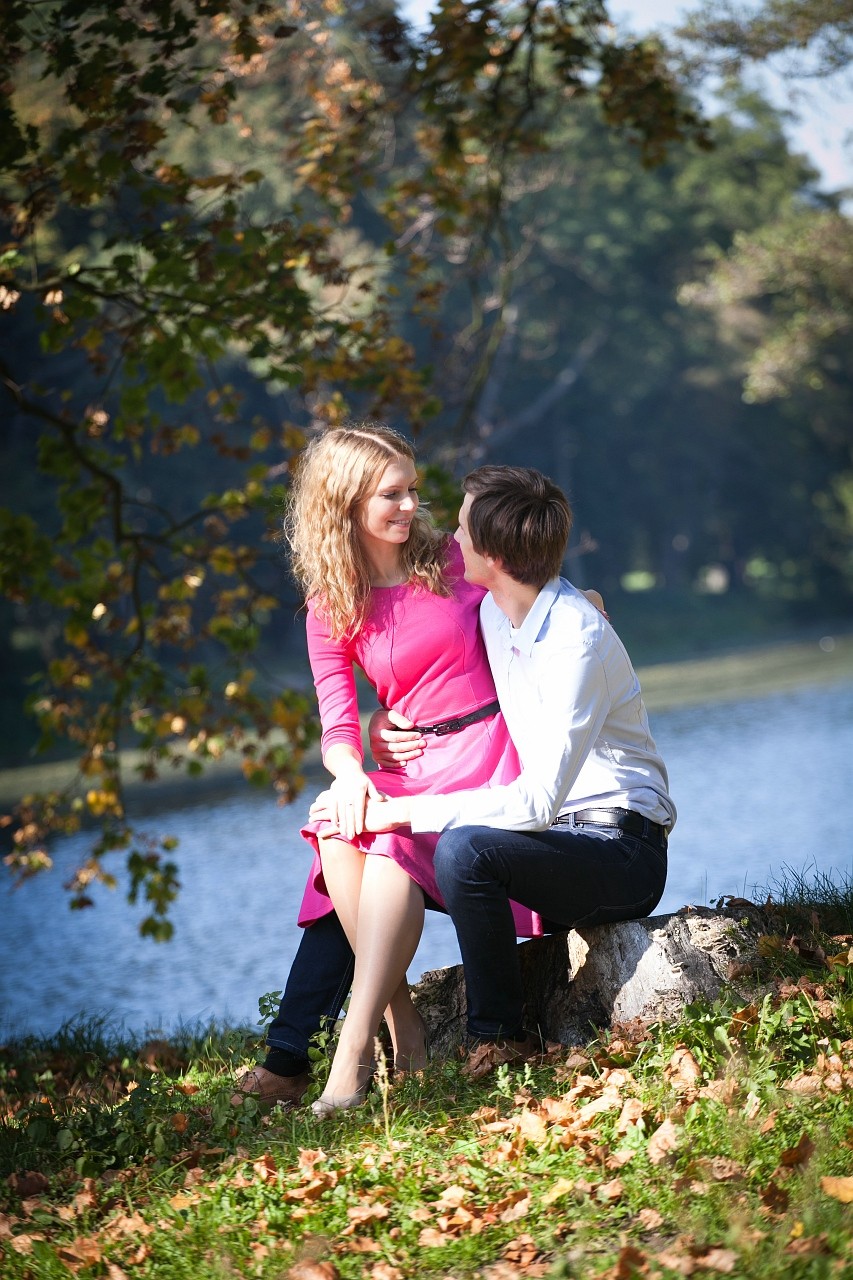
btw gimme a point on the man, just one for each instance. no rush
(581, 835)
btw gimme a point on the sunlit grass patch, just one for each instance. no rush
(720, 1144)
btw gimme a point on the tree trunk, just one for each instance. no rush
(578, 983)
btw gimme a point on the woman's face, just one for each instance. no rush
(387, 513)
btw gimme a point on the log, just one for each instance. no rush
(579, 983)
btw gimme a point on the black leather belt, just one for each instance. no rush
(461, 722)
(625, 819)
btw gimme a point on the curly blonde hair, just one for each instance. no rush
(337, 471)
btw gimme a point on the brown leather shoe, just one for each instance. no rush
(268, 1089)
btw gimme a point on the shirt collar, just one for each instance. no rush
(527, 634)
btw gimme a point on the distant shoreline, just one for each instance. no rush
(745, 673)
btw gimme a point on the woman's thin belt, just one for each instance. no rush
(460, 722)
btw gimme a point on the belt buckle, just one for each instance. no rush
(447, 726)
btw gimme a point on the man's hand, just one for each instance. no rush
(393, 740)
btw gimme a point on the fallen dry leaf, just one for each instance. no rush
(88, 1197)
(618, 1159)
(631, 1114)
(180, 1200)
(808, 1246)
(769, 1123)
(519, 1208)
(682, 1263)
(522, 1251)
(362, 1213)
(432, 1238)
(609, 1100)
(800, 1154)
(486, 1057)
(806, 1084)
(724, 1260)
(839, 1188)
(774, 1198)
(723, 1169)
(650, 1219)
(724, 1090)
(313, 1271)
(741, 969)
(610, 1192)
(266, 1168)
(452, 1197)
(682, 1071)
(28, 1184)
(312, 1190)
(384, 1271)
(311, 1156)
(531, 1127)
(132, 1224)
(630, 1263)
(663, 1142)
(561, 1188)
(85, 1251)
(358, 1244)
(24, 1242)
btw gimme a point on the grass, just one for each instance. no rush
(722, 1144)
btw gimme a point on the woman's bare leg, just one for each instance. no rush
(382, 911)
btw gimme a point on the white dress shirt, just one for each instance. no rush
(572, 703)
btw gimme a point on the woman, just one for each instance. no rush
(386, 594)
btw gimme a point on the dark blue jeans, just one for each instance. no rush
(318, 983)
(572, 875)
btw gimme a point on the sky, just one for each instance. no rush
(824, 128)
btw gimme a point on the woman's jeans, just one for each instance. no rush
(573, 875)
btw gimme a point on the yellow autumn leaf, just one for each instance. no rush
(839, 1188)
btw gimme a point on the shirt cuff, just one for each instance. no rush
(430, 813)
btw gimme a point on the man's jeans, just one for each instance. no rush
(318, 983)
(572, 875)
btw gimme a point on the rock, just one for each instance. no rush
(584, 981)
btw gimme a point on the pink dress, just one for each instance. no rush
(424, 656)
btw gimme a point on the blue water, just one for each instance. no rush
(760, 785)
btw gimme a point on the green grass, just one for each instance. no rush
(722, 1144)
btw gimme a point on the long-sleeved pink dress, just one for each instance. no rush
(424, 656)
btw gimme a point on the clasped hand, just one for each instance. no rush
(345, 803)
(374, 815)
(353, 803)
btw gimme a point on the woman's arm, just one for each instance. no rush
(334, 679)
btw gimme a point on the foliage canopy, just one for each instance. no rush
(184, 191)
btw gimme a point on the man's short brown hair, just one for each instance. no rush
(520, 517)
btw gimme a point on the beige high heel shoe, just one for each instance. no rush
(326, 1106)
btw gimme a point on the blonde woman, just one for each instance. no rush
(386, 594)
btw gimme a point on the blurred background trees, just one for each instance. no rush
(224, 224)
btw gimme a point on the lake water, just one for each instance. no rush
(761, 785)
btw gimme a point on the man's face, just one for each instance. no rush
(478, 569)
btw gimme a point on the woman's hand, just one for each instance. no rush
(595, 597)
(393, 740)
(346, 802)
(382, 813)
